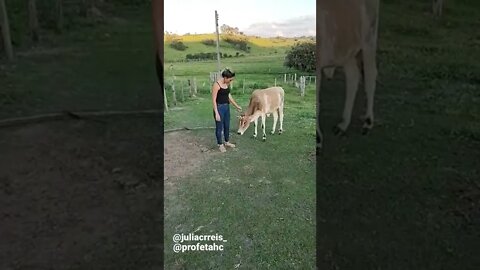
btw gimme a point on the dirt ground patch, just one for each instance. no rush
(184, 154)
(81, 195)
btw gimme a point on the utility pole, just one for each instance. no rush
(218, 41)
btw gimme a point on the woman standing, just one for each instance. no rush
(222, 98)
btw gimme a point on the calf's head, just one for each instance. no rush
(243, 123)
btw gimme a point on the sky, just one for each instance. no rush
(266, 18)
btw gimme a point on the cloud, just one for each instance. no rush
(295, 27)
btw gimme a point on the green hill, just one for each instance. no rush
(258, 46)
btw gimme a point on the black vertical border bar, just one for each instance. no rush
(318, 127)
(158, 30)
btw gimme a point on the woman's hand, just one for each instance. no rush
(217, 117)
(239, 108)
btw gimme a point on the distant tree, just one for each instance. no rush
(233, 36)
(178, 45)
(4, 24)
(301, 56)
(205, 56)
(228, 30)
(208, 42)
(170, 37)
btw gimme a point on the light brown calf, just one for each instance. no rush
(263, 102)
(347, 38)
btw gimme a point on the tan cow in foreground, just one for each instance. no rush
(347, 38)
(263, 102)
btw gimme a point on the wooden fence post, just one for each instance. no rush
(165, 99)
(174, 94)
(195, 86)
(302, 86)
(190, 88)
(183, 96)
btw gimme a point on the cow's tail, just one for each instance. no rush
(282, 97)
(282, 101)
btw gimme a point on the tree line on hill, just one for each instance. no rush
(229, 34)
(301, 55)
(210, 56)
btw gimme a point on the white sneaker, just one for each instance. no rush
(229, 144)
(222, 148)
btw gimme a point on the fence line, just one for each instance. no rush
(175, 84)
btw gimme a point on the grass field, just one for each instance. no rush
(261, 197)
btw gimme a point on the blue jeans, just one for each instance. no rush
(224, 123)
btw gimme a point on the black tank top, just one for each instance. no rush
(222, 95)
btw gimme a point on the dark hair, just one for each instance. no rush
(227, 73)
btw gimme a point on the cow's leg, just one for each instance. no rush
(370, 69)
(263, 127)
(275, 119)
(352, 74)
(255, 125)
(280, 114)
